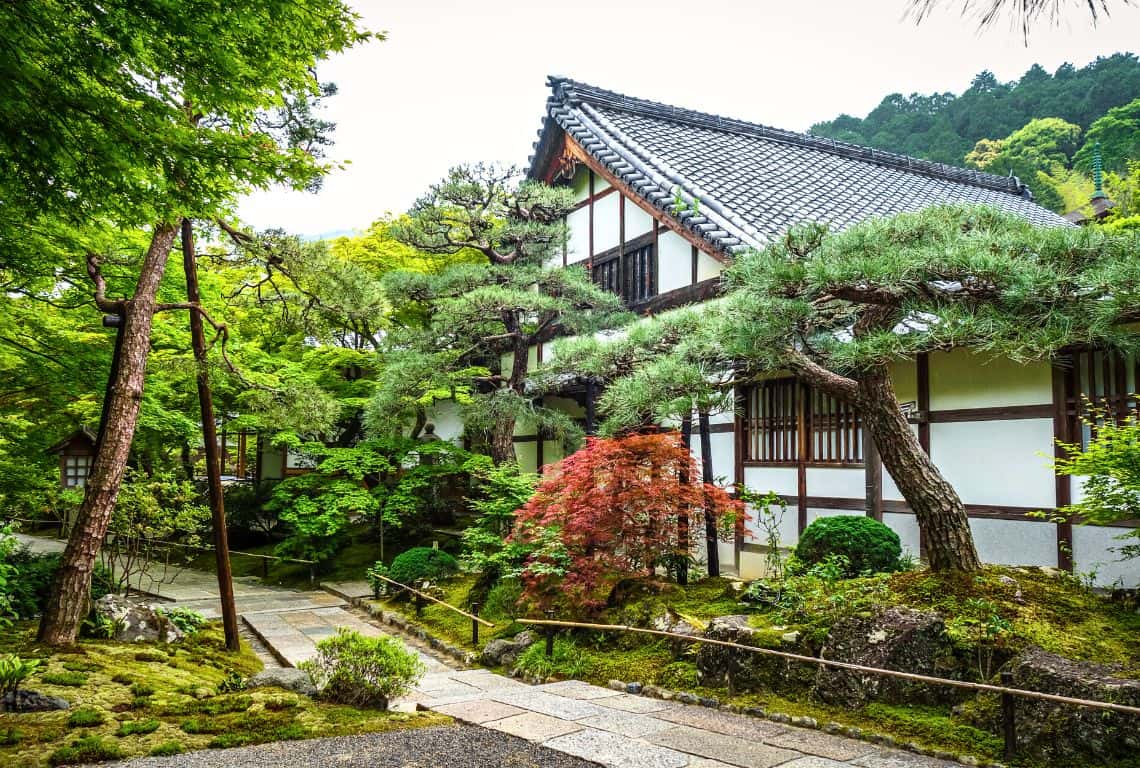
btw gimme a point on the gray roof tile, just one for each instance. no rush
(754, 182)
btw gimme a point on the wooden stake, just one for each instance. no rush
(210, 437)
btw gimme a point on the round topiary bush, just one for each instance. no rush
(422, 564)
(867, 544)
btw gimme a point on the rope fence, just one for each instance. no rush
(421, 596)
(1006, 692)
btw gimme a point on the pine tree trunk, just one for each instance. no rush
(503, 441)
(711, 545)
(70, 597)
(939, 511)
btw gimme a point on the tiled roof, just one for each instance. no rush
(753, 182)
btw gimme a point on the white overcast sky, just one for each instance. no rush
(464, 80)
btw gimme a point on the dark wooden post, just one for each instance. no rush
(711, 546)
(550, 635)
(1009, 717)
(873, 470)
(683, 518)
(210, 438)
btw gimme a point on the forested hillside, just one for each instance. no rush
(1041, 127)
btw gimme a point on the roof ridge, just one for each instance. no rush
(569, 90)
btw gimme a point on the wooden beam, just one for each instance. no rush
(802, 444)
(873, 473)
(1063, 488)
(693, 239)
(696, 257)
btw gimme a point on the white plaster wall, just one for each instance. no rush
(782, 480)
(272, 461)
(840, 482)
(904, 378)
(581, 183)
(906, 526)
(996, 462)
(960, 379)
(446, 417)
(723, 454)
(1093, 551)
(637, 221)
(607, 227)
(707, 266)
(814, 514)
(1013, 542)
(527, 454)
(578, 245)
(674, 262)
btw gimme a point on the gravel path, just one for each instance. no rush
(458, 746)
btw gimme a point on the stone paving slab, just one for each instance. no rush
(815, 762)
(896, 759)
(534, 726)
(348, 590)
(627, 724)
(724, 723)
(615, 751)
(549, 704)
(479, 711)
(718, 746)
(627, 702)
(576, 689)
(821, 744)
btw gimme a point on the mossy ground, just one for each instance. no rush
(168, 704)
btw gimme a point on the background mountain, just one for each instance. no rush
(1042, 127)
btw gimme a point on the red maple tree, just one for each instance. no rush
(616, 508)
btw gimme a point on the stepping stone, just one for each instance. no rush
(348, 590)
(479, 711)
(721, 722)
(615, 751)
(576, 689)
(533, 726)
(441, 701)
(548, 704)
(821, 745)
(627, 702)
(718, 746)
(815, 762)
(627, 724)
(894, 759)
(486, 680)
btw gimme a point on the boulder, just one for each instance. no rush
(1063, 734)
(895, 638)
(746, 670)
(136, 622)
(505, 653)
(32, 701)
(289, 678)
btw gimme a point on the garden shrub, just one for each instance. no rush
(422, 564)
(680, 676)
(28, 585)
(350, 668)
(132, 727)
(185, 619)
(502, 601)
(168, 749)
(868, 545)
(71, 679)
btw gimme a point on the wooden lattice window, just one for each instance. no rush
(75, 470)
(1100, 381)
(777, 410)
(631, 274)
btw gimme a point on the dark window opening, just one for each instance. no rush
(631, 275)
(1100, 384)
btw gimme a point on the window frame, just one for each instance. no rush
(621, 256)
(844, 441)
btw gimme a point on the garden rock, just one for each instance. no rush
(1062, 734)
(895, 638)
(506, 652)
(33, 701)
(285, 677)
(136, 622)
(719, 666)
(675, 624)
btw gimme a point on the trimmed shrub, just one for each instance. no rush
(132, 727)
(422, 563)
(89, 749)
(350, 668)
(168, 749)
(72, 679)
(868, 545)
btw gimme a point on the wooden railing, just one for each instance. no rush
(421, 596)
(1007, 693)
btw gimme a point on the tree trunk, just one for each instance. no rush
(503, 440)
(713, 550)
(683, 517)
(70, 597)
(939, 511)
(210, 440)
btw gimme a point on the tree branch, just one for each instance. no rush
(114, 307)
(818, 376)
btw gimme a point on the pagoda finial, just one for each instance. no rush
(1098, 173)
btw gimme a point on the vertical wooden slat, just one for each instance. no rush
(1062, 423)
(801, 462)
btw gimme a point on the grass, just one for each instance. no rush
(114, 723)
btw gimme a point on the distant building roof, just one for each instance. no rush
(751, 182)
